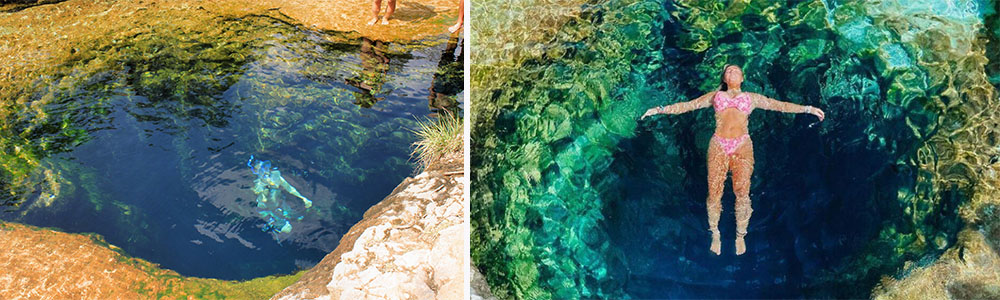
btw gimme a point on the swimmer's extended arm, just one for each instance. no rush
(682, 107)
(291, 190)
(761, 101)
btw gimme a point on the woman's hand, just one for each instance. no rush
(816, 112)
(650, 112)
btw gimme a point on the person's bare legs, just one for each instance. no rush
(389, 9)
(461, 14)
(717, 167)
(376, 6)
(741, 164)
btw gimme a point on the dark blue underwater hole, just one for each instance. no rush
(167, 181)
(820, 198)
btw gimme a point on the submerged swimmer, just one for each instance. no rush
(267, 187)
(278, 220)
(730, 149)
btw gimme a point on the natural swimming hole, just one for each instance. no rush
(574, 197)
(146, 141)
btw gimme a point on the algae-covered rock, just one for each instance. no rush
(569, 129)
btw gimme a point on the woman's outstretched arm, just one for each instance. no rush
(763, 102)
(682, 107)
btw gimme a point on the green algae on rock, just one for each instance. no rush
(195, 74)
(177, 57)
(968, 270)
(179, 71)
(514, 234)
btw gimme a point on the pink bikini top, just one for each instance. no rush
(741, 102)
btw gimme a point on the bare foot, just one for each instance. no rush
(455, 28)
(741, 246)
(385, 21)
(372, 21)
(716, 243)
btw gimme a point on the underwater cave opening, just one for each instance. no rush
(824, 197)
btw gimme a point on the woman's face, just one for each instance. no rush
(733, 75)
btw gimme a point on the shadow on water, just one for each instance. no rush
(375, 64)
(150, 147)
(11, 6)
(413, 11)
(448, 80)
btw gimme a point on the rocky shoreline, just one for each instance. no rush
(409, 245)
(42, 263)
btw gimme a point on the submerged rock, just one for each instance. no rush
(409, 246)
(971, 271)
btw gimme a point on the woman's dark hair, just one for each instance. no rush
(722, 79)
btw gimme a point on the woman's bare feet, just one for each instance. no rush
(372, 21)
(716, 243)
(741, 246)
(389, 9)
(455, 27)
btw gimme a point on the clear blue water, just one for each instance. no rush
(574, 197)
(162, 171)
(815, 204)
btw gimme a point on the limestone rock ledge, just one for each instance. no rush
(478, 288)
(411, 245)
(970, 270)
(41, 263)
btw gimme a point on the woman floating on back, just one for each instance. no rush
(731, 149)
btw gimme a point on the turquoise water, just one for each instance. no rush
(574, 197)
(151, 150)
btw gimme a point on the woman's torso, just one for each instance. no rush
(732, 120)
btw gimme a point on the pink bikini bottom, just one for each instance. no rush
(730, 145)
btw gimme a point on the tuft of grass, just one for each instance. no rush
(437, 138)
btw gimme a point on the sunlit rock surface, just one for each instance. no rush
(409, 246)
(479, 289)
(39, 263)
(573, 197)
(970, 271)
(412, 20)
